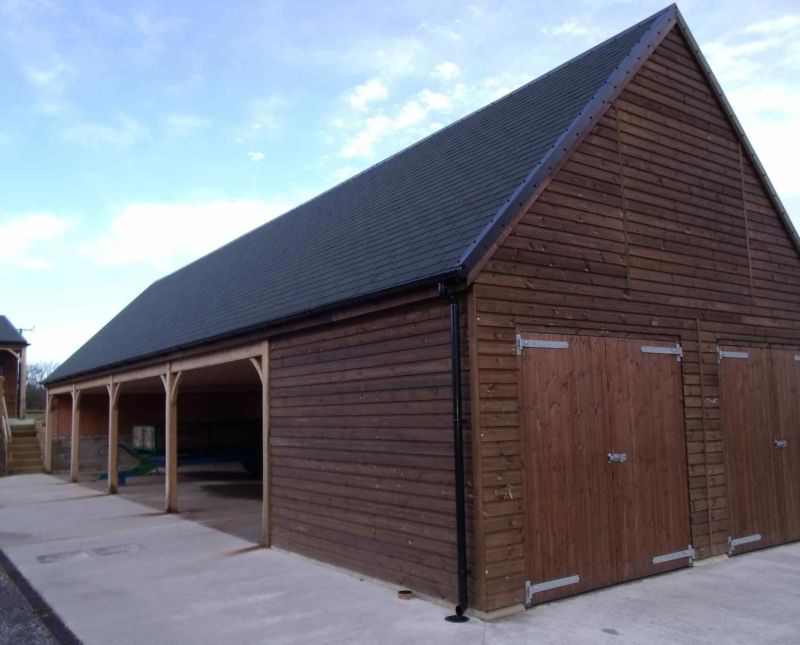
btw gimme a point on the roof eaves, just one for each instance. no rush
(538, 178)
(748, 147)
(429, 280)
(14, 343)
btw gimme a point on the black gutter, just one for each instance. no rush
(458, 444)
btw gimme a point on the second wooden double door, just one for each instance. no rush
(605, 462)
(760, 395)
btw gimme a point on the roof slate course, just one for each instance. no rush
(9, 335)
(408, 219)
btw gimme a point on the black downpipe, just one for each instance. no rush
(458, 445)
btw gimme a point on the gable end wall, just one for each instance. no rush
(656, 227)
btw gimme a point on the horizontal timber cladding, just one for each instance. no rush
(362, 445)
(656, 227)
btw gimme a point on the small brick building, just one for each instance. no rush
(13, 367)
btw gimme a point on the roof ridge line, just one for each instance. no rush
(539, 176)
(548, 73)
(411, 146)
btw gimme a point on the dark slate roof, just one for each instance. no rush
(417, 216)
(9, 335)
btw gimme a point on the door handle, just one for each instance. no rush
(617, 457)
(780, 443)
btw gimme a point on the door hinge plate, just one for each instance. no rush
(677, 555)
(658, 349)
(780, 443)
(534, 343)
(539, 587)
(747, 539)
(617, 457)
(724, 353)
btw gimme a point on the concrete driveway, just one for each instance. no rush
(118, 572)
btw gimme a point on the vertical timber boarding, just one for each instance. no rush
(786, 370)
(700, 256)
(763, 445)
(603, 434)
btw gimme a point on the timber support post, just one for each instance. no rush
(48, 432)
(22, 406)
(171, 381)
(113, 436)
(262, 368)
(75, 443)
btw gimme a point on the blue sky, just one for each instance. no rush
(137, 136)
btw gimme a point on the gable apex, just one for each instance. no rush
(539, 177)
(738, 129)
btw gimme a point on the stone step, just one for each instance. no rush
(24, 450)
(21, 424)
(24, 463)
(20, 434)
(24, 441)
(24, 453)
(26, 470)
(30, 451)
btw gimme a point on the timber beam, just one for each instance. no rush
(253, 350)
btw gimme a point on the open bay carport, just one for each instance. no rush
(199, 410)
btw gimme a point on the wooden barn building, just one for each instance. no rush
(585, 294)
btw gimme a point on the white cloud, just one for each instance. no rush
(411, 114)
(370, 92)
(759, 79)
(124, 132)
(569, 27)
(261, 120)
(434, 100)
(441, 32)
(770, 114)
(49, 84)
(779, 25)
(167, 235)
(264, 113)
(446, 71)
(256, 156)
(50, 78)
(345, 172)
(181, 124)
(153, 33)
(392, 58)
(26, 240)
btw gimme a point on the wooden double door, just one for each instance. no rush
(605, 462)
(760, 399)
